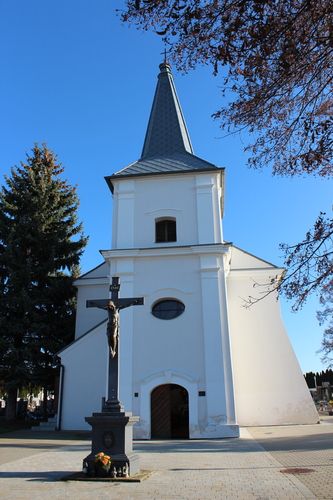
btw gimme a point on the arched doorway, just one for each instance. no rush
(169, 412)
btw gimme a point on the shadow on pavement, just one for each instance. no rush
(46, 476)
(46, 435)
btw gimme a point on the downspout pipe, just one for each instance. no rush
(60, 396)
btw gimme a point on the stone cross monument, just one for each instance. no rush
(112, 428)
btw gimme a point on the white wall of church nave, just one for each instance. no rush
(85, 378)
(192, 200)
(269, 385)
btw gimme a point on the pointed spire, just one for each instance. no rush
(167, 147)
(166, 132)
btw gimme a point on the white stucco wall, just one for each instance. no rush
(85, 378)
(269, 385)
(192, 199)
(150, 346)
(179, 270)
(242, 358)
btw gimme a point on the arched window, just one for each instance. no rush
(168, 309)
(165, 230)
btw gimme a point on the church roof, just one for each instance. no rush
(167, 147)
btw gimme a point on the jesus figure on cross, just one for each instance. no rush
(112, 306)
(112, 328)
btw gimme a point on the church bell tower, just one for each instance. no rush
(167, 246)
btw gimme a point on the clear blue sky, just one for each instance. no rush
(74, 77)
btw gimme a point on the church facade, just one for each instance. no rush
(193, 361)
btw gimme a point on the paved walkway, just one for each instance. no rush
(32, 464)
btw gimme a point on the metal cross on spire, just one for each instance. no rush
(165, 52)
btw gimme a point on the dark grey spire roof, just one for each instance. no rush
(166, 133)
(167, 147)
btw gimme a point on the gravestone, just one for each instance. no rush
(112, 428)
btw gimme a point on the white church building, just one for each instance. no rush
(193, 361)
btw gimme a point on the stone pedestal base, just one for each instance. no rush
(112, 434)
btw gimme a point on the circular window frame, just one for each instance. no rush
(167, 313)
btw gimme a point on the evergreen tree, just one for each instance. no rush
(310, 379)
(41, 242)
(313, 379)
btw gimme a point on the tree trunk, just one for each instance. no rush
(11, 404)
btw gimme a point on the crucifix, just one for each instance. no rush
(112, 306)
(112, 428)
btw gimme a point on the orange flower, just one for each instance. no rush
(103, 459)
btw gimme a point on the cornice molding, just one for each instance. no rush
(218, 248)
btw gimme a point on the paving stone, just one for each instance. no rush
(303, 446)
(247, 468)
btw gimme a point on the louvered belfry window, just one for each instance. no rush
(166, 230)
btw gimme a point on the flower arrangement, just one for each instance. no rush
(102, 460)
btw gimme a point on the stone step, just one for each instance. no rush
(50, 425)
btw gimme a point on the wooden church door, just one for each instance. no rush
(169, 412)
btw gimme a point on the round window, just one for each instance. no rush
(168, 309)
